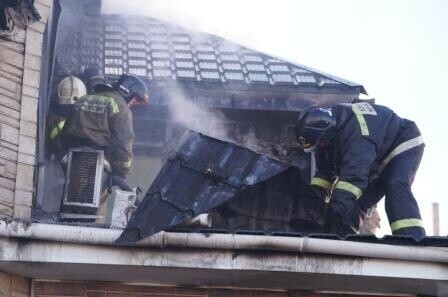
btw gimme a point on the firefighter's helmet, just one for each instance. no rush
(313, 125)
(70, 89)
(130, 86)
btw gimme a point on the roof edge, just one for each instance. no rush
(88, 235)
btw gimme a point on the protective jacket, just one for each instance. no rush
(103, 120)
(371, 157)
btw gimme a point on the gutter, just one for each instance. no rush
(163, 240)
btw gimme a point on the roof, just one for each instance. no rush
(162, 51)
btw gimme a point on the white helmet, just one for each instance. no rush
(70, 89)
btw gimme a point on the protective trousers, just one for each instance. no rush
(395, 183)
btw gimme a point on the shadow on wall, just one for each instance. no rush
(144, 171)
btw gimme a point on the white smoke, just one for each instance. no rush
(195, 117)
(213, 123)
(234, 20)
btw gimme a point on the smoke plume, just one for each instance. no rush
(213, 123)
(196, 117)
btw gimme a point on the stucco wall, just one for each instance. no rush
(20, 65)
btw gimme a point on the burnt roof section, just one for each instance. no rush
(243, 189)
(161, 51)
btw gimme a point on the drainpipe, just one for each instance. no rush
(162, 240)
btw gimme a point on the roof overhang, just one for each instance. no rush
(57, 252)
(39, 259)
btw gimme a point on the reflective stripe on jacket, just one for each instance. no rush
(368, 137)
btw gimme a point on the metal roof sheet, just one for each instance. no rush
(244, 190)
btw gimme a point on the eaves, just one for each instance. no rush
(243, 261)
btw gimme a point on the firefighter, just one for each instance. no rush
(364, 152)
(103, 120)
(69, 90)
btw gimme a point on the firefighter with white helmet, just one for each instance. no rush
(69, 90)
(103, 120)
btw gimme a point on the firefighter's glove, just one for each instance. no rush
(345, 207)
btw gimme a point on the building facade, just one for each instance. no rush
(252, 92)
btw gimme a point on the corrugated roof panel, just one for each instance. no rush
(208, 65)
(234, 76)
(184, 64)
(113, 71)
(306, 79)
(255, 67)
(252, 58)
(186, 74)
(202, 174)
(282, 78)
(182, 55)
(182, 47)
(278, 68)
(161, 63)
(138, 71)
(116, 36)
(133, 54)
(204, 48)
(214, 75)
(159, 46)
(137, 62)
(141, 37)
(231, 66)
(258, 77)
(113, 61)
(114, 52)
(161, 72)
(230, 57)
(113, 44)
(136, 45)
(158, 38)
(160, 55)
(113, 28)
(209, 57)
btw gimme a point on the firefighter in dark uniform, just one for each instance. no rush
(364, 152)
(103, 120)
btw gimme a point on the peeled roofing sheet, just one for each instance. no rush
(201, 175)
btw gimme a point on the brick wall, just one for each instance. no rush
(14, 286)
(104, 289)
(20, 62)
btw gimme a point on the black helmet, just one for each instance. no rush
(130, 86)
(313, 125)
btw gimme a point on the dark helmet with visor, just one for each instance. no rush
(130, 86)
(313, 125)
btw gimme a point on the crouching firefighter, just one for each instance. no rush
(103, 120)
(364, 152)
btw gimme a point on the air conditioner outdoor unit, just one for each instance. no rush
(83, 181)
